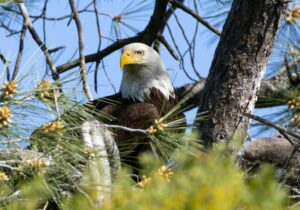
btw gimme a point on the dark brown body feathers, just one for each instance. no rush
(135, 114)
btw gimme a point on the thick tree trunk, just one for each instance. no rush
(238, 67)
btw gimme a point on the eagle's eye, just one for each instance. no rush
(139, 52)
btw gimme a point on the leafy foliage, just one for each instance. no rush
(207, 181)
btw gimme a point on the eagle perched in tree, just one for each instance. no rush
(146, 94)
(147, 100)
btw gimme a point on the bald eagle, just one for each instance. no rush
(146, 97)
(146, 94)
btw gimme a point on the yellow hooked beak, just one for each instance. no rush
(128, 58)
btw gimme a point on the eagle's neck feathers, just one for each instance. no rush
(137, 85)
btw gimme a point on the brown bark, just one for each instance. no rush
(238, 67)
(270, 150)
(272, 91)
(276, 151)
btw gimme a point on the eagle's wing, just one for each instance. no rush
(100, 103)
(128, 114)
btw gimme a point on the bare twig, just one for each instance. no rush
(189, 43)
(162, 39)
(181, 63)
(192, 13)
(6, 65)
(43, 15)
(7, 28)
(99, 44)
(86, 88)
(20, 51)
(97, 23)
(287, 163)
(169, 13)
(107, 76)
(127, 129)
(56, 49)
(37, 39)
(288, 138)
(96, 76)
(192, 45)
(273, 125)
(13, 196)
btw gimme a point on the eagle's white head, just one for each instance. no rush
(143, 70)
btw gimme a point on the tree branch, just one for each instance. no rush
(273, 150)
(85, 84)
(147, 36)
(20, 51)
(163, 40)
(6, 66)
(196, 16)
(37, 39)
(273, 125)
